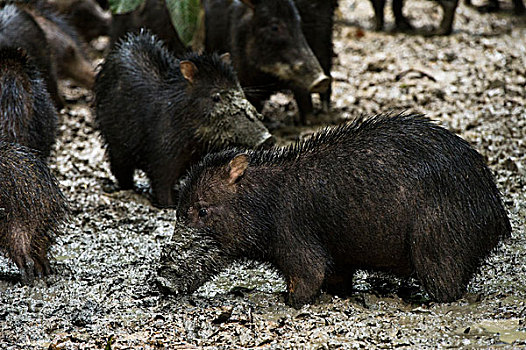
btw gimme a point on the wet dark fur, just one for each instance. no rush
(32, 209)
(231, 27)
(19, 29)
(149, 115)
(27, 115)
(390, 193)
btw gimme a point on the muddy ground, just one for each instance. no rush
(100, 297)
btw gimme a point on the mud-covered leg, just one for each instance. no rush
(401, 22)
(446, 26)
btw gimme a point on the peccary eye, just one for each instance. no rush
(216, 97)
(202, 212)
(274, 27)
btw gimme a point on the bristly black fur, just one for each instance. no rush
(34, 209)
(397, 194)
(27, 115)
(327, 135)
(210, 66)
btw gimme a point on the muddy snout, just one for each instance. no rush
(311, 76)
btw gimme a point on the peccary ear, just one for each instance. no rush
(188, 70)
(226, 58)
(237, 167)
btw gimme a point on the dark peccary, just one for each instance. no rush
(161, 114)
(67, 49)
(317, 23)
(88, 18)
(396, 194)
(494, 6)
(32, 209)
(402, 23)
(19, 29)
(152, 15)
(27, 115)
(268, 48)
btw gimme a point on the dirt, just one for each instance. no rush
(101, 295)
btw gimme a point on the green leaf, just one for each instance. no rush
(124, 6)
(187, 18)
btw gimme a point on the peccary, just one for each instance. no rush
(402, 23)
(32, 209)
(161, 114)
(269, 50)
(18, 28)
(27, 115)
(390, 193)
(66, 47)
(317, 23)
(88, 18)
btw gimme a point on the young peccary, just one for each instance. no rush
(32, 209)
(397, 194)
(161, 114)
(27, 115)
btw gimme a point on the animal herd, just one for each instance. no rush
(393, 192)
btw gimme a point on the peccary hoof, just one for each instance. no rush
(109, 186)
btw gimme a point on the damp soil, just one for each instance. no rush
(100, 296)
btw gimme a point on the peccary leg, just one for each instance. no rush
(339, 282)
(449, 7)
(122, 170)
(378, 6)
(304, 269)
(401, 22)
(20, 252)
(39, 247)
(325, 99)
(304, 101)
(163, 192)
(444, 270)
